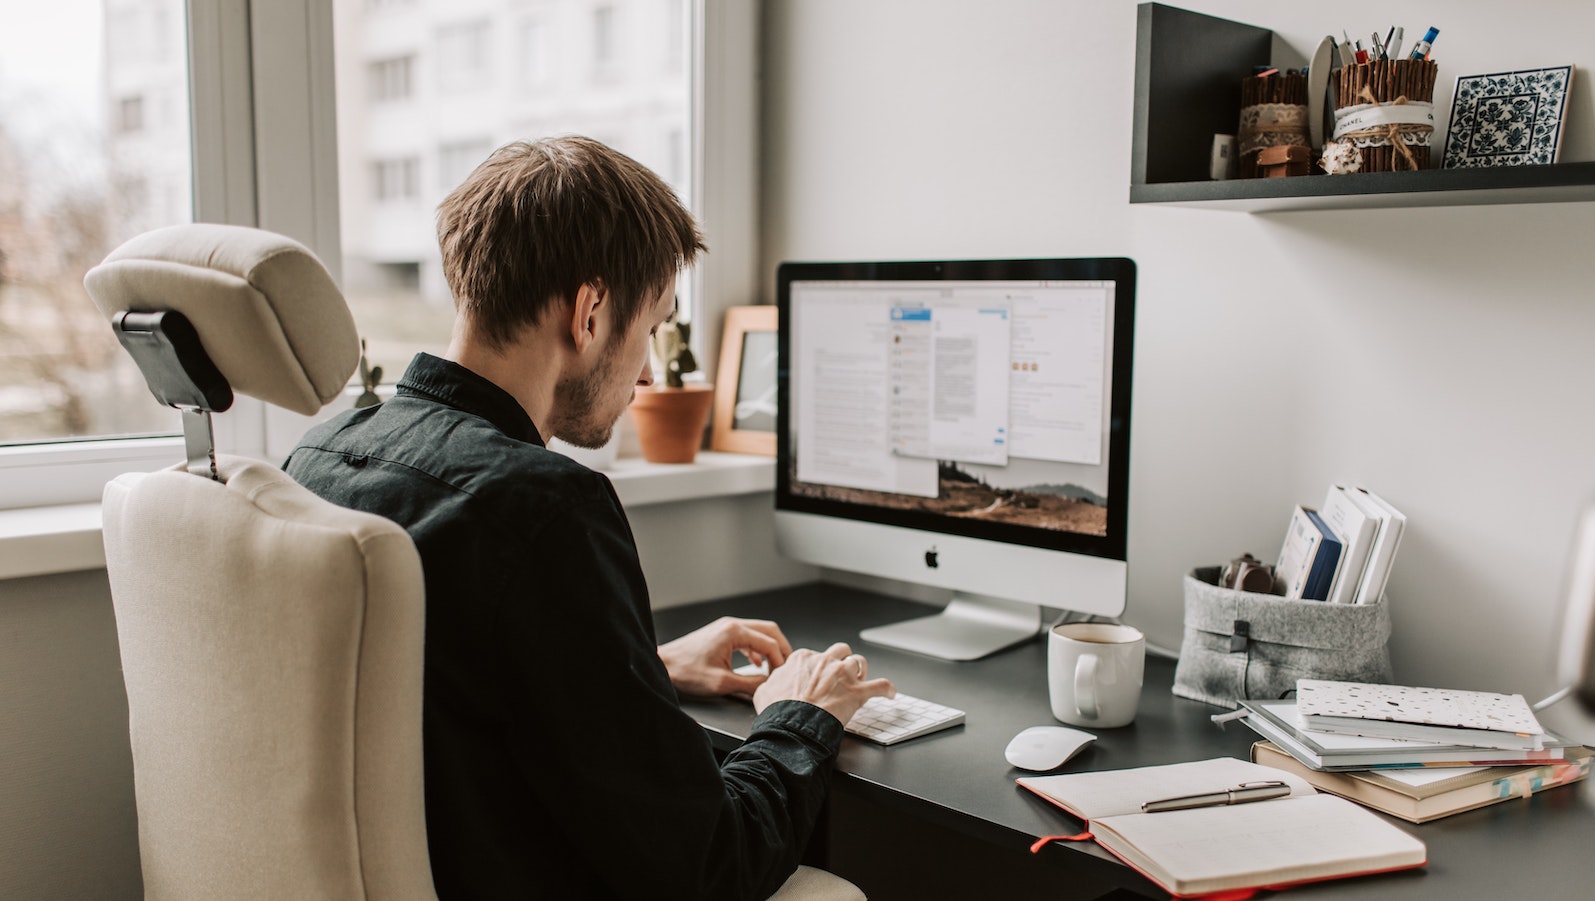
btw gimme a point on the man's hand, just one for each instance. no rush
(700, 662)
(835, 680)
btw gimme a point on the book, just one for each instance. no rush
(1305, 836)
(1326, 561)
(1280, 723)
(1344, 512)
(1421, 795)
(1376, 574)
(1308, 557)
(1455, 716)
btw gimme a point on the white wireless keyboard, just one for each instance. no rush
(887, 721)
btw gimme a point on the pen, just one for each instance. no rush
(1395, 45)
(1421, 49)
(1246, 791)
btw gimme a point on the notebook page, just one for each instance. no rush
(1263, 843)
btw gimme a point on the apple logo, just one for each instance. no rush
(930, 558)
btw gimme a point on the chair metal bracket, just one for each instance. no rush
(200, 442)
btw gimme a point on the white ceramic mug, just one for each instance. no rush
(1094, 673)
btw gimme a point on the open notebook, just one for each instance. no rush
(1304, 836)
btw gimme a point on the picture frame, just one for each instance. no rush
(745, 398)
(1508, 119)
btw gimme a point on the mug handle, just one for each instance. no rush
(1085, 686)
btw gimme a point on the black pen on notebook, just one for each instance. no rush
(1241, 794)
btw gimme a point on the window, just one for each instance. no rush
(464, 54)
(536, 61)
(90, 159)
(130, 114)
(457, 159)
(395, 179)
(390, 79)
(604, 40)
(222, 145)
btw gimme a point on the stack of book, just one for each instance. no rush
(1416, 753)
(1340, 552)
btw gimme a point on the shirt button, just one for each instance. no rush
(355, 460)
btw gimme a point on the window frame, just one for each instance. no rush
(263, 124)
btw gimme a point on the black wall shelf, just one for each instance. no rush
(1187, 70)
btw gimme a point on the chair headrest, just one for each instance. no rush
(267, 312)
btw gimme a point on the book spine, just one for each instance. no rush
(1325, 562)
(1521, 785)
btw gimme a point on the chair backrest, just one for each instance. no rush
(271, 641)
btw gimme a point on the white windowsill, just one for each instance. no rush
(38, 541)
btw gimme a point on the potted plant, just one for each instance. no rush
(670, 416)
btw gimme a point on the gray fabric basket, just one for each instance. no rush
(1223, 661)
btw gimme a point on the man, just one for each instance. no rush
(558, 762)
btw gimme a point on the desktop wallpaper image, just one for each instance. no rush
(962, 493)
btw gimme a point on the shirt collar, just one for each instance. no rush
(450, 383)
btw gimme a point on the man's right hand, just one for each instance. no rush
(835, 681)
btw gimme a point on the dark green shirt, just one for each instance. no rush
(558, 761)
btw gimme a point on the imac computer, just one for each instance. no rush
(964, 425)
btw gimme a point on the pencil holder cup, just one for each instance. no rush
(1384, 117)
(1273, 115)
(1244, 645)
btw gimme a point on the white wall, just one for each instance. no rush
(1441, 357)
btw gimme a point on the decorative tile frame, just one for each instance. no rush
(1508, 118)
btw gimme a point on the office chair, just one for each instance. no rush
(271, 641)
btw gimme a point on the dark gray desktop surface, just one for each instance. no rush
(958, 779)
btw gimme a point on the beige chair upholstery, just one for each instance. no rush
(271, 642)
(809, 884)
(271, 647)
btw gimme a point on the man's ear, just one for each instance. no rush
(584, 319)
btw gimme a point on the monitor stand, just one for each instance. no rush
(970, 627)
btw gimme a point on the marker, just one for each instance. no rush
(1421, 49)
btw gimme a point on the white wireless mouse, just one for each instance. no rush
(1046, 747)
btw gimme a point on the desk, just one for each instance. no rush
(956, 783)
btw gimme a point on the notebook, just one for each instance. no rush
(1480, 718)
(1281, 723)
(1305, 836)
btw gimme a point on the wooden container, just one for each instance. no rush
(1273, 114)
(1385, 108)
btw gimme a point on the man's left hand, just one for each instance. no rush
(700, 662)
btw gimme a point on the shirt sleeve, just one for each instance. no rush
(600, 738)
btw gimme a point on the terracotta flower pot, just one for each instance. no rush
(670, 421)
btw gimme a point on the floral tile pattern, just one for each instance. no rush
(1508, 119)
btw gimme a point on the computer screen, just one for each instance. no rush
(961, 424)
